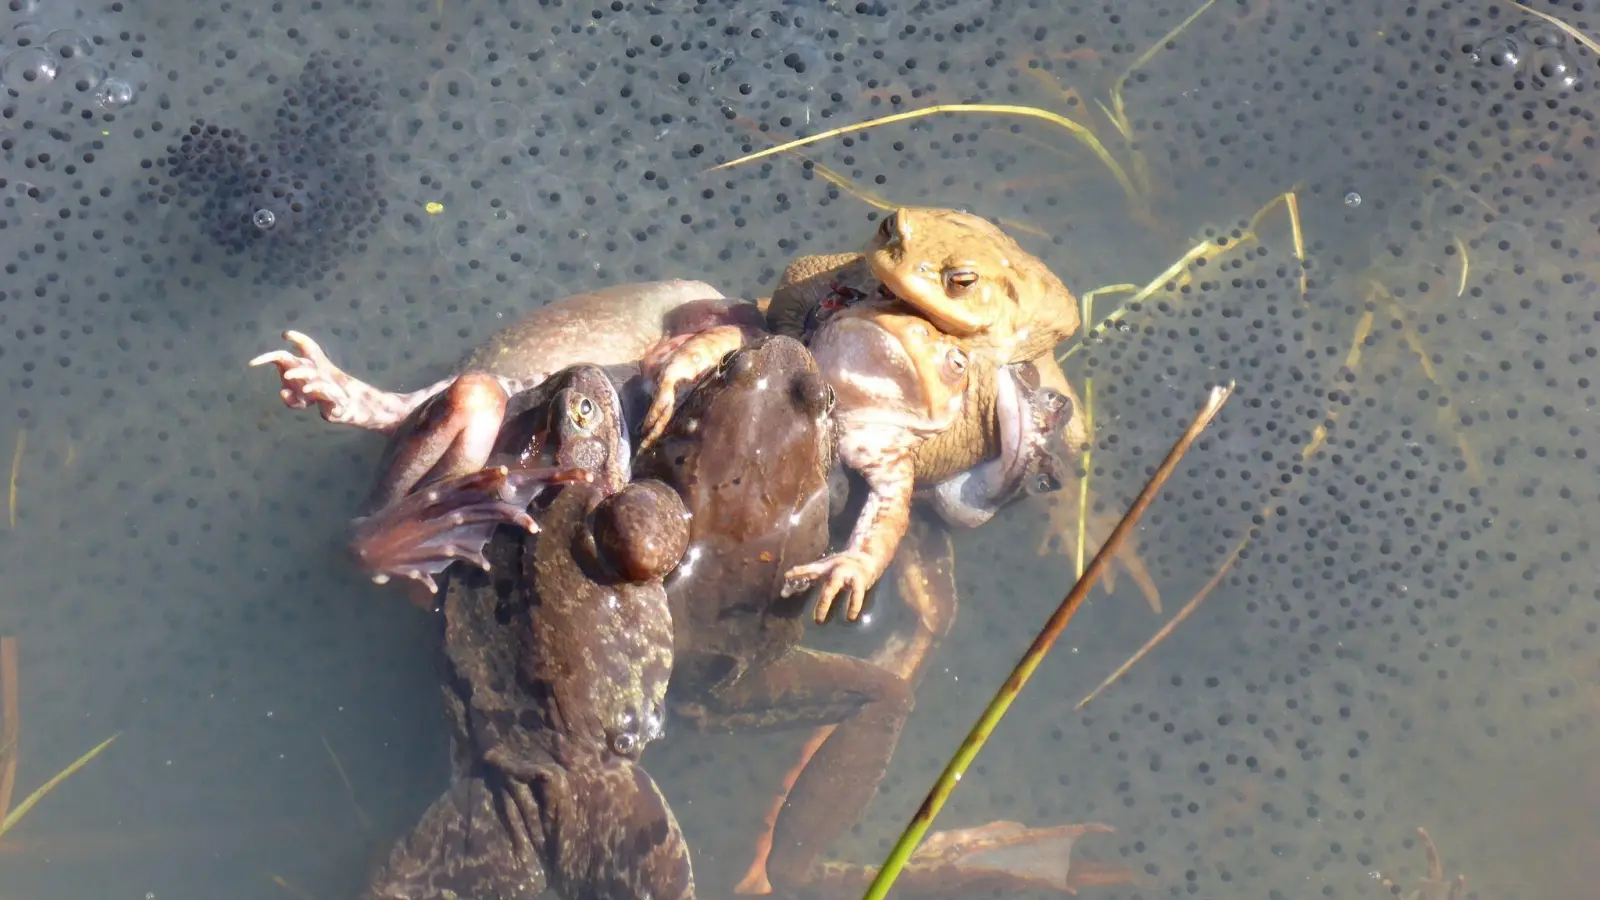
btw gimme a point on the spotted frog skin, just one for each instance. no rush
(455, 435)
(558, 659)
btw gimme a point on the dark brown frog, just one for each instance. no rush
(751, 449)
(557, 663)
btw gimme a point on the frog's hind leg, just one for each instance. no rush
(309, 377)
(426, 532)
(803, 688)
(452, 434)
(465, 845)
(925, 575)
(999, 859)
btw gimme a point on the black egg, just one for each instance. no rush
(296, 202)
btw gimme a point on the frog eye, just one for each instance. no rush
(955, 362)
(737, 365)
(584, 412)
(959, 280)
(624, 743)
(1054, 400)
(889, 227)
(1045, 483)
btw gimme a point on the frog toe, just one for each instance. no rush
(427, 531)
(842, 572)
(310, 378)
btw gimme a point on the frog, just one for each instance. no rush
(975, 282)
(899, 382)
(557, 432)
(1027, 415)
(960, 271)
(557, 662)
(450, 426)
(750, 450)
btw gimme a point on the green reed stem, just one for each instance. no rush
(918, 827)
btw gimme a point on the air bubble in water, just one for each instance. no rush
(114, 93)
(1352, 199)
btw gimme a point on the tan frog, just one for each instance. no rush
(958, 270)
(974, 282)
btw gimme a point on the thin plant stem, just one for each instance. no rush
(996, 710)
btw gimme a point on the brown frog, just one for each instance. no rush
(899, 382)
(1005, 307)
(958, 270)
(1026, 417)
(750, 450)
(973, 281)
(562, 430)
(455, 435)
(557, 665)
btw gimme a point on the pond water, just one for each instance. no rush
(1395, 216)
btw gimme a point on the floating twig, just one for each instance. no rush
(1572, 32)
(9, 731)
(996, 710)
(23, 808)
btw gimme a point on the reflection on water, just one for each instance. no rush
(1405, 637)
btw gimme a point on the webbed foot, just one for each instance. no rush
(309, 377)
(427, 531)
(999, 858)
(1061, 536)
(851, 571)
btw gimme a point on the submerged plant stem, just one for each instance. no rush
(1083, 134)
(10, 723)
(996, 710)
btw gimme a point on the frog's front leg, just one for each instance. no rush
(812, 281)
(464, 846)
(807, 688)
(310, 377)
(690, 359)
(878, 530)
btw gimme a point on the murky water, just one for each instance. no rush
(1405, 636)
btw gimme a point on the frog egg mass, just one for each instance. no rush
(296, 203)
(1380, 219)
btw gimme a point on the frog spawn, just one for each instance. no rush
(295, 203)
